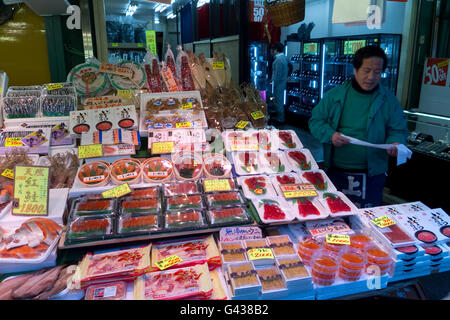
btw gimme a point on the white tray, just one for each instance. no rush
(309, 158)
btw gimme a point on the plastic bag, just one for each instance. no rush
(151, 65)
(184, 71)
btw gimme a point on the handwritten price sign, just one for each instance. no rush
(260, 253)
(211, 185)
(383, 222)
(436, 72)
(338, 239)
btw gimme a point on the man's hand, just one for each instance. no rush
(338, 140)
(393, 151)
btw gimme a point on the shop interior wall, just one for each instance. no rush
(23, 49)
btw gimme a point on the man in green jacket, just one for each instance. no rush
(363, 109)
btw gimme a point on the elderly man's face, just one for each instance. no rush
(369, 74)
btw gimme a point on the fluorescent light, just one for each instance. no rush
(171, 16)
(131, 9)
(156, 19)
(201, 2)
(428, 115)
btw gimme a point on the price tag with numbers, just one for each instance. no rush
(383, 222)
(162, 147)
(436, 72)
(260, 253)
(300, 190)
(338, 239)
(218, 185)
(183, 125)
(186, 106)
(257, 115)
(168, 262)
(218, 65)
(117, 192)
(90, 151)
(241, 124)
(8, 173)
(54, 86)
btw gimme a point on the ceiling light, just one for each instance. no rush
(131, 9)
(171, 16)
(202, 2)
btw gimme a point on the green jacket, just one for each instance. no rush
(386, 124)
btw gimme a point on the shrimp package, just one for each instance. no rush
(118, 265)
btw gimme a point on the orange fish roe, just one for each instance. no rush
(360, 241)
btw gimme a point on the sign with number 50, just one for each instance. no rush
(257, 10)
(436, 72)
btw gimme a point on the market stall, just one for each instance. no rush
(173, 169)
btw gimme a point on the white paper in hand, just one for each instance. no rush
(403, 154)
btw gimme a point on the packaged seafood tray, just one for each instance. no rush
(28, 245)
(265, 139)
(136, 82)
(256, 187)
(192, 201)
(232, 252)
(138, 222)
(21, 107)
(101, 267)
(247, 163)
(145, 193)
(286, 178)
(57, 105)
(184, 219)
(337, 204)
(281, 245)
(89, 228)
(191, 251)
(251, 244)
(126, 171)
(272, 282)
(86, 206)
(224, 199)
(148, 205)
(244, 279)
(274, 162)
(183, 283)
(94, 174)
(309, 208)
(108, 291)
(219, 185)
(273, 210)
(228, 216)
(288, 140)
(319, 179)
(181, 188)
(190, 119)
(88, 80)
(238, 140)
(179, 136)
(216, 166)
(187, 166)
(394, 234)
(320, 228)
(301, 160)
(157, 102)
(295, 273)
(411, 207)
(157, 169)
(31, 140)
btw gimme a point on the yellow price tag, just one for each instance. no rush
(14, 142)
(300, 194)
(260, 253)
(216, 185)
(168, 262)
(8, 173)
(183, 125)
(301, 190)
(338, 239)
(31, 185)
(114, 44)
(241, 124)
(90, 151)
(54, 86)
(162, 147)
(117, 192)
(186, 106)
(218, 65)
(383, 222)
(124, 94)
(257, 115)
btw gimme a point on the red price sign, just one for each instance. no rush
(257, 10)
(436, 72)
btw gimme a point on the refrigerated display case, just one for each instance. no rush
(303, 91)
(259, 53)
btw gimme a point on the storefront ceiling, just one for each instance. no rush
(119, 7)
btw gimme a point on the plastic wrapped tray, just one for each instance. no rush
(232, 252)
(144, 193)
(319, 179)
(181, 188)
(138, 222)
(108, 291)
(281, 245)
(227, 216)
(274, 162)
(247, 163)
(256, 187)
(301, 160)
(90, 228)
(309, 208)
(288, 140)
(224, 199)
(273, 210)
(91, 207)
(337, 204)
(184, 219)
(128, 205)
(181, 202)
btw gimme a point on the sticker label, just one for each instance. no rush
(300, 190)
(157, 174)
(124, 94)
(257, 115)
(216, 185)
(106, 292)
(90, 151)
(114, 69)
(260, 253)
(54, 86)
(93, 179)
(241, 124)
(117, 192)
(168, 262)
(162, 147)
(127, 176)
(383, 222)
(13, 142)
(218, 65)
(186, 106)
(338, 238)
(8, 173)
(183, 125)
(240, 233)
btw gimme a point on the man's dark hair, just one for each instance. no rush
(366, 53)
(278, 47)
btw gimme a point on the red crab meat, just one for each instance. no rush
(257, 185)
(306, 208)
(301, 160)
(335, 203)
(273, 212)
(316, 179)
(287, 139)
(285, 179)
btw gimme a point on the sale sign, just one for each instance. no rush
(257, 10)
(436, 72)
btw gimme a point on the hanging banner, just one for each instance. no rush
(256, 10)
(436, 72)
(150, 36)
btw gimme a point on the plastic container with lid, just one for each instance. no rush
(184, 219)
(94, 174)
(157, 169)
(352, 264)
(107, 291)
(243, 279)
(126, 171)
(361, 241)
(272, 282)
(306, 250)
(58, 105)
(20, 107)
(281, 245)
(229, 215)
(274, 162)
(144, 193)
(224, 199)
(247, 163)
(334, 248)
(137, 222)
(92, 227)
(232, 251)
(187, 166)
(181, 188)
(324, 268)
(216, 166)
(180, 202)
(152, 205)
(293, 270)
(86, 207)
(288, 140)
